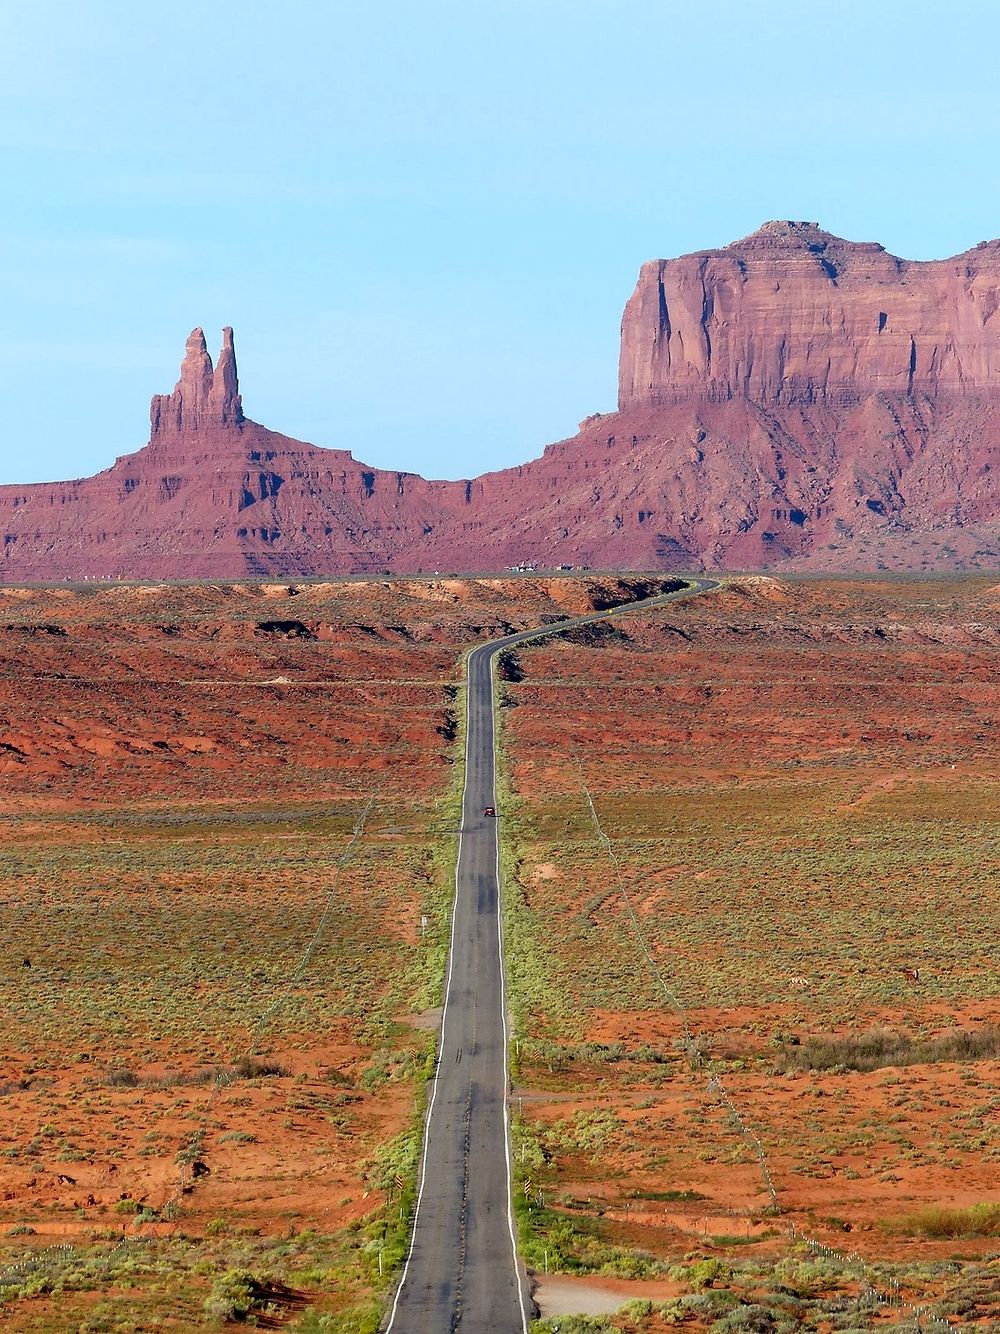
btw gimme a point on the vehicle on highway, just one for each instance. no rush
(491, 811)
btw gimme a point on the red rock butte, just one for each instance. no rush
(792, 400)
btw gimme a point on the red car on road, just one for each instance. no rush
(490, 810)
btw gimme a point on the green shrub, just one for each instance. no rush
(234, 1295)
(706, 1272)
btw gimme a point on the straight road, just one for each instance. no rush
(462, 1273)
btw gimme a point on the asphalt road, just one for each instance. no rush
(463, 1272)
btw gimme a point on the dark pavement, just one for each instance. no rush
(462, 1272)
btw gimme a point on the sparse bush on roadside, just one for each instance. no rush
(334, 1076)
(640, 1308)
(576, 1324)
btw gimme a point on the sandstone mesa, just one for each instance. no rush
(792, 400)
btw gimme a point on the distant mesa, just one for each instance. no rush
(789, 401)
(795, 314)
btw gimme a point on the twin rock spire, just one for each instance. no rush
(204, 398)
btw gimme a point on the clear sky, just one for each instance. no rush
(423, 219)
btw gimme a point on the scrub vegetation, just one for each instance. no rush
(781, 979)
(226, 872)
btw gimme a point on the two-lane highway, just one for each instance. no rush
(462, 1272)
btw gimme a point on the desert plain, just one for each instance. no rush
(750, 850)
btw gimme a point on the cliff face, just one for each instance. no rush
(793, 314)
(791, 400)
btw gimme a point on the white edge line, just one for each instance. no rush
(444, 1011)
(505, 1088)
(495, 646)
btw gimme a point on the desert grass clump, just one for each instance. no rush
(252, 1067)
(934, 1220)
(880, 1048)
(121, 1079)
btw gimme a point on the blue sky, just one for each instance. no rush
(423, 219)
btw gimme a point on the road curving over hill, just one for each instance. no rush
(462, 1274)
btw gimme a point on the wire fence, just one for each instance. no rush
(693, 1051)
(47, 1261)
(188, 1153)
(307, 955)
(874, 1292)
(51, 1260)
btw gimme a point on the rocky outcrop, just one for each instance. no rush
(203, 399)
(792, 400)
(793, 314)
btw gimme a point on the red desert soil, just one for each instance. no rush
(182, 769)
(799, 782)
(798, 779)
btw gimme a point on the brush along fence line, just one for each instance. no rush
(50, 1259)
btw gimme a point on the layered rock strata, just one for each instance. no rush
(791, 400)
(793, 314)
